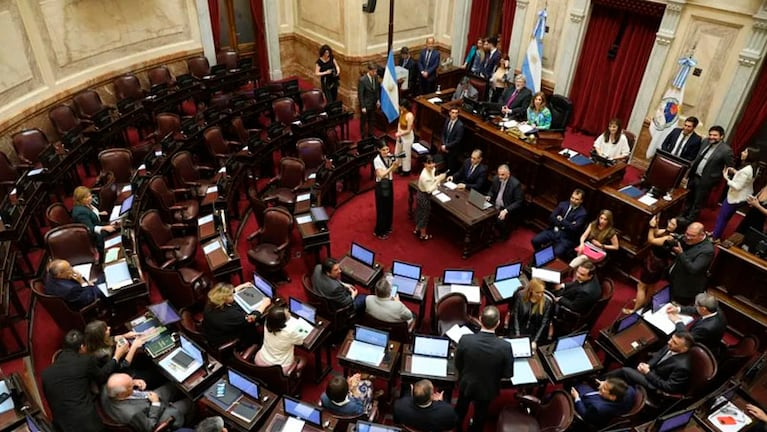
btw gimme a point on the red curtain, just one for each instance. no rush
(754, 115)
(507, 21)
(480, 10)
(259, 26)
(215, 22)
(604, 88)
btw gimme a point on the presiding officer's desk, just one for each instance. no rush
(623, 346)
(267, 401)
(554, 371)
(386, 369)
(278, 415)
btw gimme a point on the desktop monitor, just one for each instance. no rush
(569, 342)
(303, 310)
(674, 421)
(363, 255)
(371, 336)
(262, 285)
(544, 256)
(244, 384)
(432, 346)
(457, 277)
(661, 298)
(471, 105)
(410, 271)
(306, 412)
(508, 271)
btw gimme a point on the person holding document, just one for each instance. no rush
(63, 281)
(600, 233)
(223, 320)
(427, 183)
(531, 311)
(581, 294)
(283, 332)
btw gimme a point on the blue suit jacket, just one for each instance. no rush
(491, 61)
(431, 68)
(452, 140)
(474, 181)
(73, 293)
(691, 147)
(598, 411)
(571, 226)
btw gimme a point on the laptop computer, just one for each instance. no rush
(430, 355)
(165, 313)
(117, 274)
(520, 347)
(244, 384)
(119, 211)
(185, 360)
(249, 297)
(307, 315)
(362, 263)
(661, 298)
(261, 284)
(301, 411)
(479, 201)
(369, 345)
(544, 256)
(625, 322)
(457, 277)
(363, 426)
(522, 351)
(569, 354)
(507, 279)
(673, 421)
(405, 277)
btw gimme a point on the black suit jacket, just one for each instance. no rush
(439, 416)
(67, 387)
(481, 360)
(572, 225)
(512, 194)
(431, 67)
(474, 181)
(707, 331)
(224, 324)
(520, 104)
(712, 172)
(690, 149)
(491, 62)
(367, 93)
(452, 140)
(671, 376)
(580, 297)
(73, 293)
(597, 410)
(330, 288)
(526, 323)
(688, 273)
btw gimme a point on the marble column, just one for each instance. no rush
(273, 38)
(573, 34)
(206, 31)
(517, 29)
(746, 72)
(461, 9)
(658, 57)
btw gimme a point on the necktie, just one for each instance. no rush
(450, 128)
(703, 160)
(428, 54)
(680, 145)
(471, 171)
(512, 97)
(665, 356)
(569, 208)
(499, 198)
(372, 84)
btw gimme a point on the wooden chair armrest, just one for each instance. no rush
(281, 248)
(169, 263)
(255, 234)
(250, 352)
(170, 247)
(177, 208)
(228, 346)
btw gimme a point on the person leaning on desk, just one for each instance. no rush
(223, 320)
(472, 174)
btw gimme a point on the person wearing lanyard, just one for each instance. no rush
(384, 193)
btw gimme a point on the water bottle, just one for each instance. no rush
(439, 89)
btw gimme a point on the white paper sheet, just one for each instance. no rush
(546, 275)
(423, 365)
(523, 373)
(732, 411)
(302, 219)
(212, 189)
(34, 172)
(112, 241)
(222, 170)
(420, 149)
(450, 185)
(365, 353)
(312, 176)
(435, 100)
(662, 322)
(442, 197)
(457, 331)
(7, 405)
(205, 219)
(111, 254)
(293, 425)
(646, 199)
(126, 188)
(303, 197)
(525, 128)
(84, 269)
(470, 291)
(211, 247)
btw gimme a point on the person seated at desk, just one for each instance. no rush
(223, 320)
(613, 143)
(465, 90)
(612, 398)
(128, 401)
(709, 328)
(211, 424)
(516, 99)
(532, 312)
(63, 281)
(385, 307)
(112, 354)
(424, 409)
(565, 223)
(348, 396)
(602, 234)
(668, 369)
(85, 213)
(428, 182)
(538, 114)
(581, 294)
(760, 415)
(326, 279)
(472, 174)
(283, 332)
(506, 196)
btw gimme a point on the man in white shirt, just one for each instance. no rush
(385, 307)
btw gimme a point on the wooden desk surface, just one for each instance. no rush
(556, 373)
(387, 366)
(278, 414)
(320, 332)
(419, 295)
(623, 342)
(267, 402)
(348, 264)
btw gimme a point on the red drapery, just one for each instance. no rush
(754, 115)
(215, 23)
(507, 21)
(604, 88)
(259, 26)
(480, 9)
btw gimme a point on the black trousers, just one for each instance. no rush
(384, 210)
(696, 198)
(480, 412)
(367, 122)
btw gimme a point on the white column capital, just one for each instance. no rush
(577, 15)
(271, 29)
(522, 4)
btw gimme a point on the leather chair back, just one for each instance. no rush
(736, 356)
(179, 292)
(704, 365)
(257, 205)
(557, 414)
(161, 193)
(278, 224)
(313, 99)
(192, 327)
(128, 87)
(29, 143)
(664, 172)
(452, 307)
(63, 118)
(310, 152)
(285, 110)
(481, 85)
(228, 58)
(184, 170)
(8, 173)
(160, 76)
(198, 66)
(292, 172)
(88, 103)
(72, 243)
(157, 232)
(239, 129)
(561, 108)
(215, 141)
(108, 193)
(64, 317)
(119, 161)
(167, 123)
(57, 215)
(630, 137)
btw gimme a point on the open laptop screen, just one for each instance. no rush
(626, 322)
(674, 421)
(309, 413)
(410, 271)
(509, 271)
(431, 346)
(164, 312)
(363, 426)
(363, 255)
(371, 336)
(262, 285)
(191, 349)
(126, 205)
(661, 298)
(458, 277)
(244, 384)
(544, 256)
(570, 342)
(303, 310)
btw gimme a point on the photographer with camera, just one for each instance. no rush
(688, 274)
(384, 164)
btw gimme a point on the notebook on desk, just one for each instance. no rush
(249, 298)
(361, 266)
(185, 360)
(507, 279)
(405, 276)
(369, 345)
(430, 355)
(570, 355)
(478, 200)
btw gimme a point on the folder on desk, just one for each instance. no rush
(632, 191)
(580, 160)
(117, 274)
(523, 373)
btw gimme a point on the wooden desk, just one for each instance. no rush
(221, 263)
(267, 402)
(418, 297)
(488, 285)
(28, 402)
(313, 237)
(555, 373)
(328, 421)
(386, 369)
(694, 425)
(350, 275)
(475, 225)
(314, 342)
(740, 398)
(197, 383)
(446, 383)
(621, 346)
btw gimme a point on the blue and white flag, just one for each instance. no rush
(531, 67)
(390, 91)
(667, 114)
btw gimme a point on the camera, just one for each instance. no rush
(393, 157)
(673, 241)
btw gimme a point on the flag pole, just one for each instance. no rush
(391, 25)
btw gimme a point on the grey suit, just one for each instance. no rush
(368, 93)
(141, 415)
(699, 186)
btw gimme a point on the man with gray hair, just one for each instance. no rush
(211, 424)
(516, 99)
(387, 307)
(506, 196)
(709, 328)
(465, 89)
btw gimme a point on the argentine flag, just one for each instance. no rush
(531, 67)
(389, 91)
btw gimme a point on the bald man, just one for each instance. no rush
(688, 274)
(63, 281)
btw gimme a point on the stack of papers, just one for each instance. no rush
(302, 219)
(303, 197)
(420, 149)
(456, 332)
(450, 185)
(435, 100)
(729, 418)
(442, 197)
(293, 425)
(470, 291)
(525, 128)
(661, 321)
(647, 199)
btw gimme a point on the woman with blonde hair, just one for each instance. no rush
(600, 233)
(538, 113)
(405, 135)
(85, 213)
(223, 320)
(531, 311)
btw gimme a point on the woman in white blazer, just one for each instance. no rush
(741, 186)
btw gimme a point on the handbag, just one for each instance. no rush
(593, 253)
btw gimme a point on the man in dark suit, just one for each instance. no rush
(67, 386)
(709, 328)
(368, 94)
(472, 174)
(517, 99)
(428, 63)
(565, 225)
(706, 171)
(612, 398)
(424, 409)
(580, 294)
(492, 58)
(465, 90)
(506, 196)
(668, 369)
(129, 402)
(63, 281)
(326, 280)
(689, 272)
(683, 141)
(408, 63)
(452, 134)
(481, 360)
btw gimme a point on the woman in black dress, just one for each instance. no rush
(223, 320)
(327, 69)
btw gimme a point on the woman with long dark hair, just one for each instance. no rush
(613, 144)
(600, 233)
(741, 186)
(327, 69)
